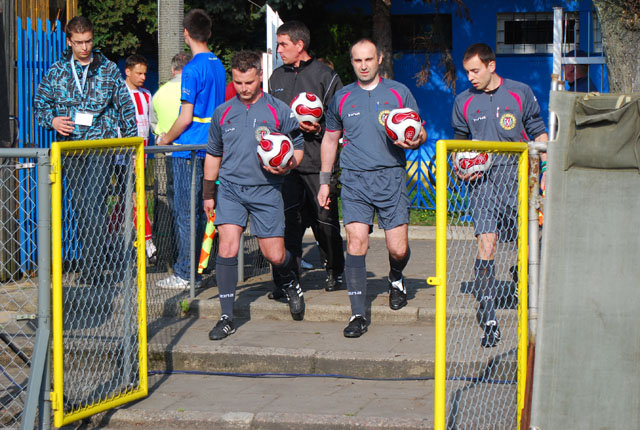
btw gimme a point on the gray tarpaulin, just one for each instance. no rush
(587, 366)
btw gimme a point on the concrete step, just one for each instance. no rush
(266, 346)
(252, 301)
(306, 347)
(181, 401)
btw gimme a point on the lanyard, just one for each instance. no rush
(75, 74)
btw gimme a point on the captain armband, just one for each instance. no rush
(325, 178)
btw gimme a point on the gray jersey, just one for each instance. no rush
(509, 114)
(360, 115)
(235, 131)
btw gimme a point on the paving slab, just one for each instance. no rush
(180, 401)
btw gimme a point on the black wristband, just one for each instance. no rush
(325, 178)
(209, 189)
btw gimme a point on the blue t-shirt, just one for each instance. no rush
(360, 114)
(203, 85)
(234, 134)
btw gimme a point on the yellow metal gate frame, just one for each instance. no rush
(440, 280)
(57, 396)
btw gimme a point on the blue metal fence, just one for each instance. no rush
(421, 176)
(36, 51)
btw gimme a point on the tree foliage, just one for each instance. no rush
(122, 27)
(240, 25)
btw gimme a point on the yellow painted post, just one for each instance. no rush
(57, 395)
(142, 273)
(523, 261)
(439, 281)
(56, 280)
(440, 284)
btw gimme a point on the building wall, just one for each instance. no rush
(436, 100)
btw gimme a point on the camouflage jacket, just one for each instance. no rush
(104, 95)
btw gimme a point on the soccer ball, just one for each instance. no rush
(402, 124)
(275, 150)
(471, 162)
(307, 107)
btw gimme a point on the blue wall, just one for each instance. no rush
(436, 100)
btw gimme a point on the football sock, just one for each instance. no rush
(355, 275)
(285, 272)
(397, 266)
(227, 279)
(484, 283)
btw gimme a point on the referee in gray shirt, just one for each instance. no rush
(373, 176)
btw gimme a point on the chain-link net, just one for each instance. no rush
(164, 297)
(254, 262)
(99, 281)
(482, 319)
(18, 284)
(160, 209)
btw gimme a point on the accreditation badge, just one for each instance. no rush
(83, 118)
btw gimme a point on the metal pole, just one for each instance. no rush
(534, 239)
(557, 40)
(40, 376)
(192, 228)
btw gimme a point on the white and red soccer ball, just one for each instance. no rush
(403, 124)
(275, 150)
(470, 162)
(307, 107)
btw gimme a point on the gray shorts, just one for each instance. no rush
(493, 202)
(263, 202)
(382, 191)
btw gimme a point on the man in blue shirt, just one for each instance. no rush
(373, 176)
(577, 75)
(501, 110)
(247, 188)
(203, 87)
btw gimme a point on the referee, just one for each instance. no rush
(373, 175)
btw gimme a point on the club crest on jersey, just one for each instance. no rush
(260, 132)
(508, 121)
(382, 118)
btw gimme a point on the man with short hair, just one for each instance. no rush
(577, 75)
(135, 69)
(166, 101)
(373, 176)
(203, 86)
(299, 73)
(502, 110)
(83, 97)
(248, 188)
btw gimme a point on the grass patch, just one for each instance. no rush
(422, 217)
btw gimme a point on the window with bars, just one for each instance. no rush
(532, 32)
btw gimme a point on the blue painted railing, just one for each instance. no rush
(36, 51)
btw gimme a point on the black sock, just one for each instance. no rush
(285, 272)
(485, 280)
(355, 274)
(227, 278)
(397, 266)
